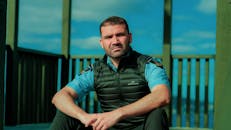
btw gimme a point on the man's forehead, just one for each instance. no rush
(113, 25)
(111, 28)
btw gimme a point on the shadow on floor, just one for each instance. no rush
(44, 126)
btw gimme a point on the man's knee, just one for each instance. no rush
(63, 122)
(157, 119)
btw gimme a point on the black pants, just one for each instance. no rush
(155, 120)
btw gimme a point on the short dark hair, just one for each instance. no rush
(114, 20)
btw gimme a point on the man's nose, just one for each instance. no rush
(115, 39)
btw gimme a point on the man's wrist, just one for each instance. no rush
(121, 113)
(81, 115)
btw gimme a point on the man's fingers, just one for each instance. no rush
(90, 122)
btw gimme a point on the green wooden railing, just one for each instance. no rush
(192, 87)
(40, 74)
(29, 101)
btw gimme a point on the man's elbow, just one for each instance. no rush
(166, 99)
(54, 99)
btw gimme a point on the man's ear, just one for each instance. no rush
(130, 38)
(101, 43)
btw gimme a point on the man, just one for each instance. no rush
(131, 87)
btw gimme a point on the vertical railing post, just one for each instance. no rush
(167, 36)
(223, 63)
(12, 62)
(66, 18)
(3, 6)
(166, 55)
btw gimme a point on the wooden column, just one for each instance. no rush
(12, 63)
(166, 55)
(65, 41)
(3, 6)
(167, 36)
(223, 64)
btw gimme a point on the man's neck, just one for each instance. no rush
(115, 61)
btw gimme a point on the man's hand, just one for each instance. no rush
(88, 119)
(106, 120)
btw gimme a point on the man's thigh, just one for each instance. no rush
(63, 122)
(156, 120)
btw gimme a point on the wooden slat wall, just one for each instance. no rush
(88, 103)
(37, 83)
(193, 92)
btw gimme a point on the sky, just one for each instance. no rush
(193, 25)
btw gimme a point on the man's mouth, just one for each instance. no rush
(116, 48)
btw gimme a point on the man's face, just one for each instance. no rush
(115, 40)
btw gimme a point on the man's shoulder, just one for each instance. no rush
(146, 59)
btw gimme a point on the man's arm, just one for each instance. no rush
(64, 100)
(159, 96)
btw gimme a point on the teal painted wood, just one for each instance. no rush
(189, 109)
(70, 77)
(192, 92)
(175, 92)
(84, 103)
(77, 70)
(211, 88)
(92, 95)
(59, 74)
(202, 93)
(184, 92)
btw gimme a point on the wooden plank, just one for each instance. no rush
(66, 18)
(3, 7)
(70, 70)
(202, 93)
(12, 71)
(223, 63)
(211, 93)
(59, 74)
(84, 103)
(175, 93)
(167, 36)
(184, 93)
(192, 93)
(188, 128)
(73, 73)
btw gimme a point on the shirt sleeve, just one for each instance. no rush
(155, 75)
(83, 83)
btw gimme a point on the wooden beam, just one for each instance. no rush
(167, 36)
(65, 41)
(166, 54)
(66, 28)
(3, 6)
(223, 63)
(12, 62)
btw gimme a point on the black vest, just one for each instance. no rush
(127, 85)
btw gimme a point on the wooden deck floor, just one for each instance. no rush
(45, 126)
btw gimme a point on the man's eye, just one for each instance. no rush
(121, 34)
(108, 37)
